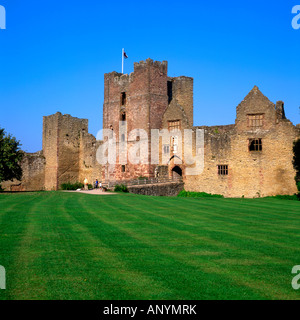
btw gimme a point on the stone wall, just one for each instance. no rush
(50, 150)
(148, 99)
(153, 100)
(89, 167)
(165, 189)
(146, 102)
(260, 173)
(180, 93)
(70, 151)
(33, 179)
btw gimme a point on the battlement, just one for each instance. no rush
(163, 66)
(64, 120)
(180, 78)
(116, 76)
(217, 130)
(120, 78)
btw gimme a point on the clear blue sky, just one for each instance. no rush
(53, 55)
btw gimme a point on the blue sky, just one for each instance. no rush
(53, 56)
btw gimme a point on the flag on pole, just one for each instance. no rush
(124, 56)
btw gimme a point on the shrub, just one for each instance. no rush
(296, 159)
(189, 194)
(142, 178)
(287, 197)
(72, 186)
(121, 188)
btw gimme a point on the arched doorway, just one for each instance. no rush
(176, 172)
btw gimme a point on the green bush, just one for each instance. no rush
(287, 197)
(72, 186)
(189, 194)
(298, 185)
(142, 178)
(296, 159)
(121, 188)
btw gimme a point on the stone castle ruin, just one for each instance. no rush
(250, 158)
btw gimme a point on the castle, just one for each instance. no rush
(250, 158)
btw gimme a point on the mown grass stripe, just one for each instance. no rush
(185, 281)
(238, 233)
(136, 247)
(267, 290)
(137, 237)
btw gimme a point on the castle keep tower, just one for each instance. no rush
(140, 99)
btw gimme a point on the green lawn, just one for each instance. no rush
(57, 245)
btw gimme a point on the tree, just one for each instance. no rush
(10, 157)
(296, 161)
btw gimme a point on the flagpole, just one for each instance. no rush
(122, 61)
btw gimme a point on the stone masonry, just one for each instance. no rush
(250, 158)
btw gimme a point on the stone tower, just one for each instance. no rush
(69, 150)
(141, 100)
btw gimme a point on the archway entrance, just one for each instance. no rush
(176, 172)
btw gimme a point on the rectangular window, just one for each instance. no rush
(223, 170)
(166, 149)
(123, 168)
(174, 125)
(255, 145)
(123, 98)
(255, 120)
(170, 91)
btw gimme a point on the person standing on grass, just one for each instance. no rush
(86, 184)
(100, 186)
(96, 184)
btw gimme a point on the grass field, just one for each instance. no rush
(57, 245)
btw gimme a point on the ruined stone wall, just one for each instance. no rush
(33, 178)
(88, 165)
(50, 150)
(180, 108)
(165, 189)
(62, 135)
(180, 93)
(250, 173)
(70, 131)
